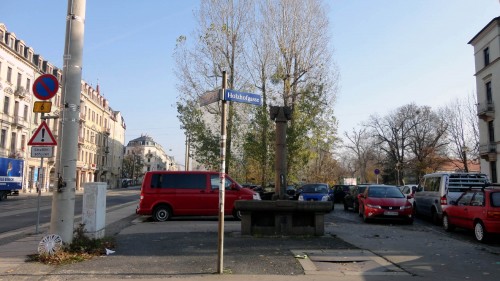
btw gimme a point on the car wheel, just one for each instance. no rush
(237, 214)
(446, 223)
(479, 232)
(409, 221)
(162, 213)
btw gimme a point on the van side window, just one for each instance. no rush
(215, 182)
(184, 181)
(432, 184)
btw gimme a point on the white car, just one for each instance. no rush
(409, 189)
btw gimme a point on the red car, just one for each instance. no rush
(476, 209)
(385, 202)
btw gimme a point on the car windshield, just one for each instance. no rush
(314, 188)
(385, 192)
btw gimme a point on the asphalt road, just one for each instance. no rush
(21, 212)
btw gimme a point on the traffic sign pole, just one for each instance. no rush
(222, 176)
(62, 216)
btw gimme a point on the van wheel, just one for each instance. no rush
(446, 224)
(162, 213)
(237, 214)
(479, 232)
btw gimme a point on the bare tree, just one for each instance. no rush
(361, 144)
(219, 45)
(463, 132)
(427, 141)
(413, 139)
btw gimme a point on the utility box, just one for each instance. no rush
(94, 209)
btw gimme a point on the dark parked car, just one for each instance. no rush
(291, 192)
(340, 191)
(351, 198)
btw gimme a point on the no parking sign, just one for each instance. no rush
(45, 87)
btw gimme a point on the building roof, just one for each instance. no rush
(493, 21)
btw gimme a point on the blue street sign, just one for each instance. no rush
(232, 95)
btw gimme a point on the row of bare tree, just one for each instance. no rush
(414, 140)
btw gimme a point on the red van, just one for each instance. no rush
(194, 193)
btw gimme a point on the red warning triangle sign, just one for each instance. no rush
(42, 136)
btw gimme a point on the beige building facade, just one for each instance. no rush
(102, 130)
(487, 71)
(149, 156)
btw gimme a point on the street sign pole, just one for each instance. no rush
(62, 217)
(222, 176)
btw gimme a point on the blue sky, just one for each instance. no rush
(389, 53)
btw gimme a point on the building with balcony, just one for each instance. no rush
(102, 130)
(487, 71)
(147, 155)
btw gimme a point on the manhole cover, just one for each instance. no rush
(345, 262)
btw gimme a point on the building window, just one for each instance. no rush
(489, 97)
(13, 141)
(23, 142)
(28, 84)
(6, 105)
(9, 74)
(491, 131)
(3, 135)
(19, 78)
(493, 168)
(0, 69)
(486, 55)
(25, 112)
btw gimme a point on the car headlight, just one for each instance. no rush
(373, 206)
(405, 207)
(256, 196)
(301, 198)
(324, 198)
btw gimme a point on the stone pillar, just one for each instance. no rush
(281, 115)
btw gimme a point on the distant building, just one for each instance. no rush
(487, 71)
(102, 130)
(151, 154)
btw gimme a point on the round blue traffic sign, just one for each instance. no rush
(377, 171)
(45, 87)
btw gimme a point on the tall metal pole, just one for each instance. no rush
(222, 187)
(63, 201)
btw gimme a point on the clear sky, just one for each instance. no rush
(389, 53)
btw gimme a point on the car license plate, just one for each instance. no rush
(391, 213)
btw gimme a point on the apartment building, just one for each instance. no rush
(487, 71)
(149, 156)
(102, 130)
